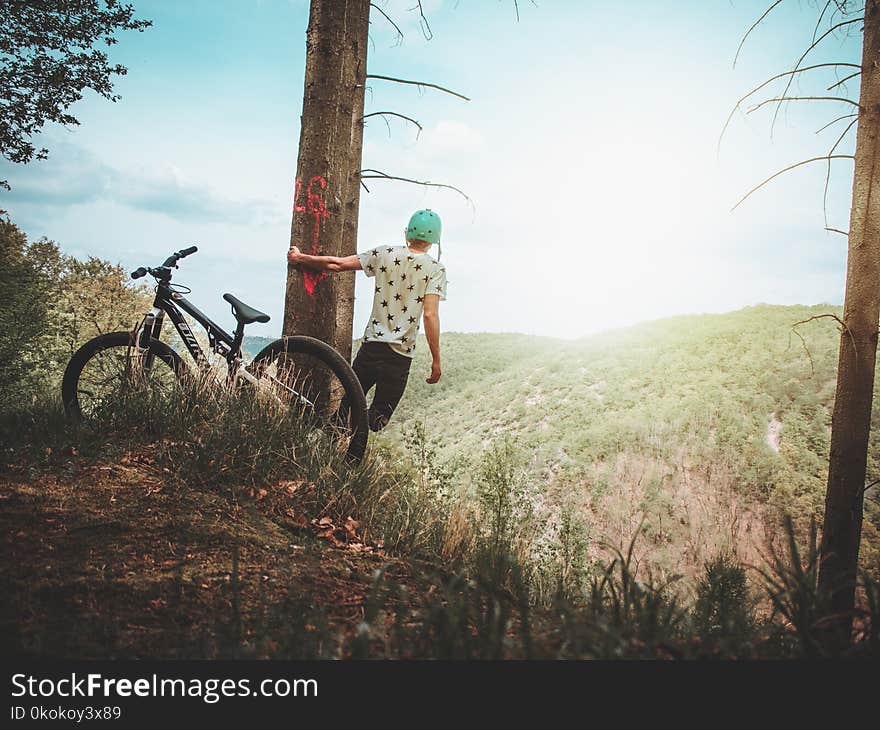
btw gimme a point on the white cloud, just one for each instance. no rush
(74, 176)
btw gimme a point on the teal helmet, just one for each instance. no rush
(424, 225)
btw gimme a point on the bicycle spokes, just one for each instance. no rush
(120, 372)
(306, 384)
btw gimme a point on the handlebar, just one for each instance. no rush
(164, 271)
(173, 258)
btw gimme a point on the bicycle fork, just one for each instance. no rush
(151, 329)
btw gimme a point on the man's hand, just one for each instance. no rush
(435, 373)
(293, 256)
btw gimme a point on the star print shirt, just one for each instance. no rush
(402, 280)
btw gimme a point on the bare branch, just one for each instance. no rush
(837, 319)
(516, 7)
(805, 54)
(365, 186)
(844, 80)
(835, 121)
(803, 98)
(418, 83)
(843, 328)
(797, 71)
(839, 9)
(819, 21)
(387, 126)
(769, 81)
(828, 171)
(379, 175)
(790, 167)
(394, 114)
(423, 21)
(749, 31)
(804, 345)
(837, 230)
(388, 18)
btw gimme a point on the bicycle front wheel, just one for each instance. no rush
(110, 367)
(312, 377)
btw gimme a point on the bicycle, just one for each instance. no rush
(298, 371)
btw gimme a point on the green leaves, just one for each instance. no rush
(54, 303)
(47, 61)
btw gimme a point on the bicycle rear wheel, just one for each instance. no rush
(109, 367)
(312, 377)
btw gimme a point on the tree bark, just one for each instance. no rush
(360, 18)
(326, 198)
(851, 419)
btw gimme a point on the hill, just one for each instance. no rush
(252, 345)
(690, 423)
(723, 418)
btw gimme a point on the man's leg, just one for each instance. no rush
(365, 368)
(390, 385)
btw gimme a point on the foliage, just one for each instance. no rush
(54, 304)
(23, 316)
(48, 58)
(92, 297)
(667, 422)
(724, 609)
(792, 583)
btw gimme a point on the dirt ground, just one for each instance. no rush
(109, 560)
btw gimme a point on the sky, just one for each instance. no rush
(589, 150)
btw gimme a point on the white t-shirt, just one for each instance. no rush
(403, 279)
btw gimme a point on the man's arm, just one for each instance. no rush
(432, 334)
(324, 263)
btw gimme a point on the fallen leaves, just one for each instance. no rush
(341, 536)
(257, 495)
(299, 520)
(290, 486)
(137, 459)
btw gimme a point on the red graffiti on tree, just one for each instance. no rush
(314, 206)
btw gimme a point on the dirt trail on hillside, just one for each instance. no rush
(774, 431)
(105, 560)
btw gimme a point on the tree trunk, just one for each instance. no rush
(851, 420)
(360, 18)
(326, 198)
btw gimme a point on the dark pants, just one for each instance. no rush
(377, 364)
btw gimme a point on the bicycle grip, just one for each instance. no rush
(187, 251)
(138, 273)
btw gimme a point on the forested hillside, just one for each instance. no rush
(707, 427)
(691, 414)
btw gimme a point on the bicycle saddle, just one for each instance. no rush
(243, 313)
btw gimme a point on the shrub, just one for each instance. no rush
(724, 617)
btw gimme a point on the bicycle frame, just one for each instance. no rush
(170, 302)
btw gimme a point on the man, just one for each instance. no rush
(409, 286)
